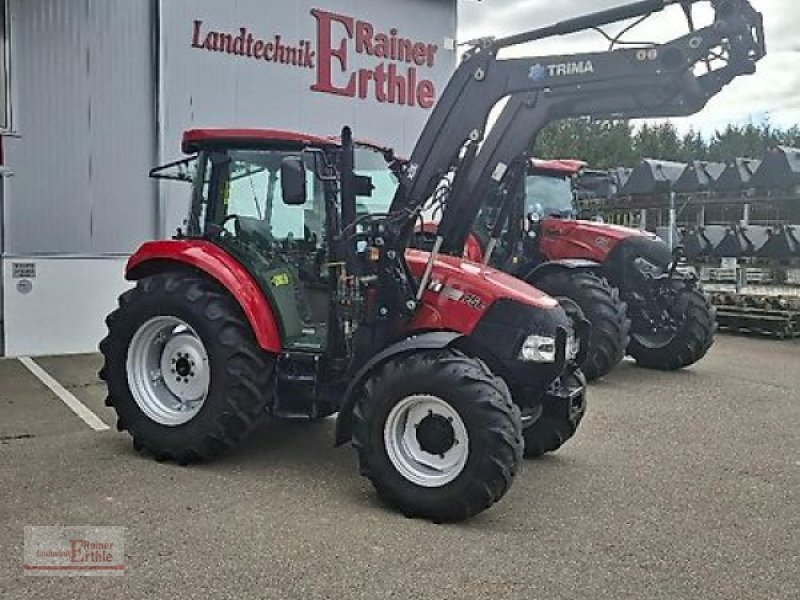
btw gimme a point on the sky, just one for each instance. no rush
(772, 93)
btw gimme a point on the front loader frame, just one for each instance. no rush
(658, 80)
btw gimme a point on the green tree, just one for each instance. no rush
(612, 143)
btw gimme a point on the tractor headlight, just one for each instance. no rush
(538, 348)
(544, 349)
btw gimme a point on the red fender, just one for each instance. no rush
(222, 267)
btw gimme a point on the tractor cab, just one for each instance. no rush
(262, 198)
(548, 188)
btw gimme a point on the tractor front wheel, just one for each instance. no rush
(438, 435)
(675, 328)
(602, 306)
(184, 371)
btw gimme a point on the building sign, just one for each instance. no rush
(397, 65)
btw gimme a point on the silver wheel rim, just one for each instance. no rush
(168, 371)
(414, 457)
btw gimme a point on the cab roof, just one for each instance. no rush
(567, 167)
(195, 140)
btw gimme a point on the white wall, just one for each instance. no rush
(64, 311)
(206, 88)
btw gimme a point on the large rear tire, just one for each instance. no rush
(558, 419)
(185, 374)
(686, 340)
(437, 435)
(602, 306)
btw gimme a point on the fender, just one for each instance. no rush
(619, 267)
(156, 257)
(568, 264)
(435, 340)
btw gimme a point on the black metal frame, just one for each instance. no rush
(633, 82)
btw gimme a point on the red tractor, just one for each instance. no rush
(624, 281)
(287, 296)
(278, 300)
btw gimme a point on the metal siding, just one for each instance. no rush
(122, 124)
(84, 114)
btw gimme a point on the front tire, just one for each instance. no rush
(558, 418)
(185, 374)
(682, 336)
(602, 306)
(437, 435)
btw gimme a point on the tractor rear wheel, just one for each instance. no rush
(676, 329)
(558, 418)
(438, 435)
(184, 372)
(602, 306)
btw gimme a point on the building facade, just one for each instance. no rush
(96, 92)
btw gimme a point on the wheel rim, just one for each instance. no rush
(660, 319)
(426, 440)
(168, 371)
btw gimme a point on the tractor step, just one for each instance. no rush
(296, 397)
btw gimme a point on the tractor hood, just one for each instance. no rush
(487, 283)
(461, 292)
(586, 240)
(613, 231)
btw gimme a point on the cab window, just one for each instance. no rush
(249, 186)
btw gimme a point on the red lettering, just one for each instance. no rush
(381, 43)
(412, 86)
(327, 53)
(426, 94)
(238, 45)
(196, 35)
(397, 86)
(75, 549)
(225, 43)
(364, 33)
(364, 77)
(404, 50)
(419, 54)
(380, 83)
(308, 61)
(258, 49)
(432, 48)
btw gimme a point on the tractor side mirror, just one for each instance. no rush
(293, 181)
(363, 185)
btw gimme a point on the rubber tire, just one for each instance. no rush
(601, 305)
(691, 342)
(492, 420)
(242, 374)
(549, 432)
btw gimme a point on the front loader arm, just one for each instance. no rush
(658, 80)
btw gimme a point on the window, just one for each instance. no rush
(252, 192)
(5, 103)
(371, 163)
(548, 195)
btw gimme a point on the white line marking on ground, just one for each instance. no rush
(75, 405)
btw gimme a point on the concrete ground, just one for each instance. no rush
(677, 485)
